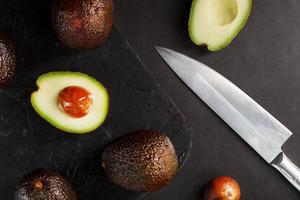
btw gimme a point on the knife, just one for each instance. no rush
(254, 124)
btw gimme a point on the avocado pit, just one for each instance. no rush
(75, 101)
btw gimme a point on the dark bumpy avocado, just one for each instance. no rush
(7, 59)
(44, 184)
(82, 24)
(141, 161)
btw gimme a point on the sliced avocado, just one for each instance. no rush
(43, 184)
(44, 101)
(141, 161)
(216, 23)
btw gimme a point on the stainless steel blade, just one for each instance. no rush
(253, 123)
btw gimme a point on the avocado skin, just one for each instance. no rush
(55, 187)
(7, 59)
(142, 161)
(82, 24)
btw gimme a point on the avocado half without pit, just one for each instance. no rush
(71, 101)
(216, 23)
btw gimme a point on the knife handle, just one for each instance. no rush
(289, 170)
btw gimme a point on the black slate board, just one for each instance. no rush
(28, 142)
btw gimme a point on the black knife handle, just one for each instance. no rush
(289, 170)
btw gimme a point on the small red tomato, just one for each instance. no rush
(222, 188)
(75, 100)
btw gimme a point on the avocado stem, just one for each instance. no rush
(103, 164)
(38, 185)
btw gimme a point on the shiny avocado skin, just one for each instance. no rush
(141, 161)
(82, 24)
(7, 59)
(54, 187)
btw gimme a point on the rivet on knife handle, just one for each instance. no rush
(289, 170)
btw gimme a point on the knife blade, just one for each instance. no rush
(253, 123)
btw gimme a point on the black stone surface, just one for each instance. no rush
(264, 61)
(28, 142)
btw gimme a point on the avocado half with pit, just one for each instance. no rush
(54, 86)
(216, 23)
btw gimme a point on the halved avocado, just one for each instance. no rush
(44, 101)
(216, 23)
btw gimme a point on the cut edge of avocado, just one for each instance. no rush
(50, 119)
(226, 41)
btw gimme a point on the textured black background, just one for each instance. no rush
(28, 142)
(264, 61)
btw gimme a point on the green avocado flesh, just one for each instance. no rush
(44, 101)
(216, 23)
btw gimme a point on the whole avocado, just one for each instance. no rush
(141, 161)
(7, 59)
(43, 184)
(82, 24)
